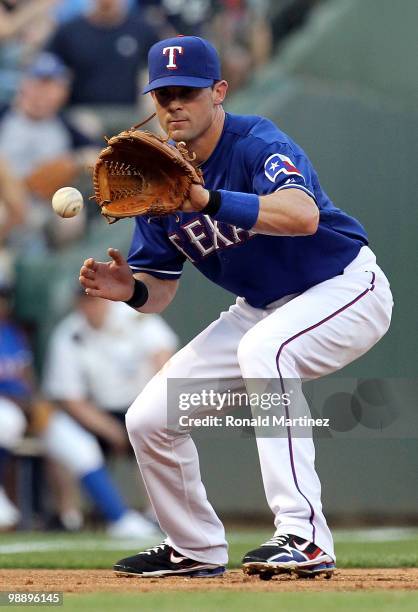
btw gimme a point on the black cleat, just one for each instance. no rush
(163, 560)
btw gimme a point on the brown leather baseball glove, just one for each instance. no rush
(139, 173)
(51, 175)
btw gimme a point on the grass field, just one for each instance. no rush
(246, 602)
(90, 550)
(368, 549)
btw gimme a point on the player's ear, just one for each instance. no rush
(219, 89)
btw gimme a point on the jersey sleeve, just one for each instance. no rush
(278, 166)
(152, 252)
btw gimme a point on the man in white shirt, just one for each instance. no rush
(99, 358)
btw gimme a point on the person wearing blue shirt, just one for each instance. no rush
(105, 48)
(310, 299)
(15, 395)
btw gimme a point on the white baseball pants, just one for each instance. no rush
(12, 423)
(302, 337)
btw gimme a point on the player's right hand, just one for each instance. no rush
(112, 280)
(198, 199)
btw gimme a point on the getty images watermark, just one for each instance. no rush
(264, 404)
(326, 408)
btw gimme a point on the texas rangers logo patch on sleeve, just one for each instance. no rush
(279, 164)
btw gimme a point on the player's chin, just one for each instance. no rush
(178, 131)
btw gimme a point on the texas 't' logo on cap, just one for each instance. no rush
(171, 52)
(192, 63)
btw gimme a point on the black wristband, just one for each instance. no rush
(214, 204)
(139, 296)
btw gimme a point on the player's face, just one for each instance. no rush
(43, 98)
(186, 113)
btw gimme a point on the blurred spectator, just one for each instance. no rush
(100, 357)
(15, 395)
(18, 401)
(106, 49)
(242, 33)
(188, 17)
(15, 15)
(24, 27)
(65, 441)
(45, 150)
(12, 214)
(12, 201)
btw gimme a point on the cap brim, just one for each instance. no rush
(178, 81)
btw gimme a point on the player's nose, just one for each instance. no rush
(175, 104)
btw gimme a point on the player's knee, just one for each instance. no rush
(147, 421)
(255, 347)
(141, 423)
(12, 423)
(259, 351)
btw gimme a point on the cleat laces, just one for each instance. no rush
(279, 540)
(154, 549)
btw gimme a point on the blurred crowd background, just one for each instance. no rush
(71, 72)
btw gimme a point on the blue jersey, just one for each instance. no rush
(15, 356)
(252, 156)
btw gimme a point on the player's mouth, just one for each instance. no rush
(173, 123)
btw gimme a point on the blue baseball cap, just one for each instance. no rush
(187, 61)
(48, 66)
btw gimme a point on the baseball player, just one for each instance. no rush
(310, 299)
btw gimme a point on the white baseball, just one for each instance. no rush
(67, 202)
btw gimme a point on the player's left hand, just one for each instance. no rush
(198, 199)
(111, 280)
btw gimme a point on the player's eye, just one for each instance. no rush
(163, 96)
(188, 93)
(183, 94)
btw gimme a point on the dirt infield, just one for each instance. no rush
(85, 581)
